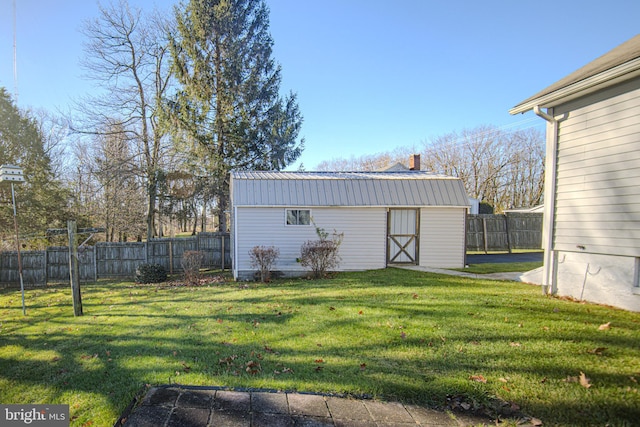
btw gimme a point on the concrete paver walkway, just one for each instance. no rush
(169, 406)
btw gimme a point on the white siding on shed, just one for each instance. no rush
(598, 173)
(363, 246)
(442, 237)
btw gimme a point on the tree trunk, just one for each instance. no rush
(153, 187)
(223, 202)
(203, 217)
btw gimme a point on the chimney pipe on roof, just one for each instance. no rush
(414, 162)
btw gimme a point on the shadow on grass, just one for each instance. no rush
(399, 335)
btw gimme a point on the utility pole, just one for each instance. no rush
(74, 268)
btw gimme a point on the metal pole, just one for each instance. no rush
(15, 223)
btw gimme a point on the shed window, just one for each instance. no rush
(298, 217)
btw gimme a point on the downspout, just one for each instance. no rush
(549, 283)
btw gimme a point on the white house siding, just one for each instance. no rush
(597, 210)
(604, 279)
(442, 237)
(363, 245)
(598, 173)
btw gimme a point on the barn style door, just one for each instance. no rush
(402, 236)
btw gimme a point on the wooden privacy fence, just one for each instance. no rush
(113, 260)
(504, 232)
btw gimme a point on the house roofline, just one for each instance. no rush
(581, 88)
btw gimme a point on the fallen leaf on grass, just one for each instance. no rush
(319, 360)
(504, 380)
(605, 326)
(415, 296)
(584, 381)
(363, 366)
(361, 312)
(332, 308)
(253, 367)
(403, 335)
(227, 360)
(597, 351)
(535, 422)
(478, 378)
(318, 368)
(515, 344)
(88, 356)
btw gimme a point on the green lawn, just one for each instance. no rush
(393, 334)
(504, 267)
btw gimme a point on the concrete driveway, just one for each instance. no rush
(532, 277)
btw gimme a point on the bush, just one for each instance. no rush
(321, 255)
(485, 208)
(263, 258)
(191, 262)
(151, 273)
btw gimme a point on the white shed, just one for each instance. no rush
(387, 218)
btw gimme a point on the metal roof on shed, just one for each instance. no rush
(410, 188)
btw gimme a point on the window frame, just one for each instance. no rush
(297, 216)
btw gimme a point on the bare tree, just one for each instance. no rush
(367, 162)
(504, 169)
(105, 188)
(127, 56)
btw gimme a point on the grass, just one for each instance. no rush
(394, 334)
(504, 267)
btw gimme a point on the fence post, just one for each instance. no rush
(506, 227)
(222, 254)
(170, 256)
(46, 266)
(74, 270)
(95, 264)
(484, 234)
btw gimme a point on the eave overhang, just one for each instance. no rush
(607, 78)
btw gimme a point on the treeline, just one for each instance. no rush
(501, 169)
(182, 97)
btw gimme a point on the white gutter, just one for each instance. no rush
(599, 81)
(548, 277)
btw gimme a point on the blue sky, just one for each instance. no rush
(370, 75)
